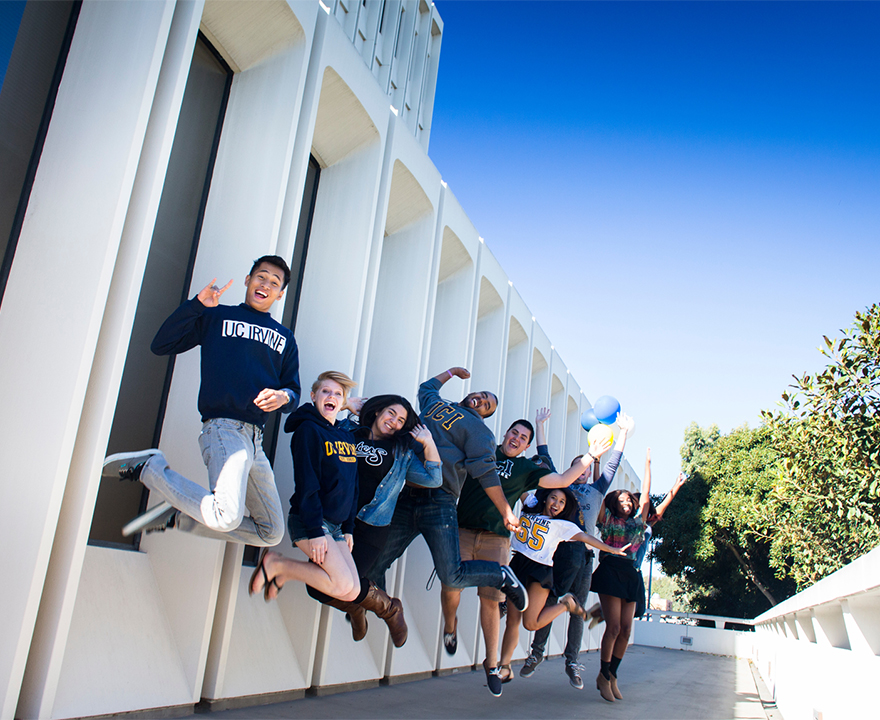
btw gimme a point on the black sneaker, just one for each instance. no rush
(513, 588)
(573, 670)
(531, 664)
(493, 679)
(502, 608)
(128, 465)
(158, 518)
(450, 640)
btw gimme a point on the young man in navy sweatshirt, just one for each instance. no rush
(249, 368)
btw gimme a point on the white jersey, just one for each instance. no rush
(538, 536)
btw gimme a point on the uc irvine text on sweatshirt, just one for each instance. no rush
(243, 352)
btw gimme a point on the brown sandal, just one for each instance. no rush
(574, 607)
(506, 673)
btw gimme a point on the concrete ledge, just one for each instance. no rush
(768, 702)
(172, 711)
(325, 690)
(412, 677)
(443, 672)
(220, 704)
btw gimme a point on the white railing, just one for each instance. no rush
(688, 618)
(680, 631)
(819, 651)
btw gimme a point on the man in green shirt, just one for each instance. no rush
(483, 535)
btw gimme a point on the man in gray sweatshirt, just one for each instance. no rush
(467, 447)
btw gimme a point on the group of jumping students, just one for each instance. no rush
(349, 473)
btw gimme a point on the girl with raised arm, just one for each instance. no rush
(622, 524)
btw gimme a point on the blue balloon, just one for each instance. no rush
(606, 409)
(589, 420)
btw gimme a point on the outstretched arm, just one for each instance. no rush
(626, 424)
(646, 488)
(599, 545)
(541, 417)
(661, 508)
(452, 372)
(566, 478)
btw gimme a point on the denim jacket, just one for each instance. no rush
(405, 468)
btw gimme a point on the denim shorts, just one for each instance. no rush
(299, 532)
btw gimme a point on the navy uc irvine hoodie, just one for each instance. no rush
(243, 351)
(324, 471)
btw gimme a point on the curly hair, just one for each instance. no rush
(375, 405)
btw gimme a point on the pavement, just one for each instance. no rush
(656, 684)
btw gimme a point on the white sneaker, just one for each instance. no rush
(160, 517)
(127, 465)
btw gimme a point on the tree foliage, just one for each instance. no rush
(716, 536)
(828, 437)
(771, 510)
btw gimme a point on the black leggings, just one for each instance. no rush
(369, 541)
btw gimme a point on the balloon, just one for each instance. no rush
(606, 409)
(599, 432)
(589, 419)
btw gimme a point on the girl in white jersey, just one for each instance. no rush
(542, 527)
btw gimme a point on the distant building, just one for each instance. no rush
(147, 147)
(659, 603)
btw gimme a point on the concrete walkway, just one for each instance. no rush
(656, 684)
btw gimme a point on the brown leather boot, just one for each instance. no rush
(390, 610)
(614, 689)
(356, 614)
(604, 686)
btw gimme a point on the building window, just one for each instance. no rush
(146, 378)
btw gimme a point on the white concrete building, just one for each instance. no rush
(149, 146)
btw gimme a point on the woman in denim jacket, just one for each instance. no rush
(388, 437)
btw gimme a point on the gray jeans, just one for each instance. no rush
(240, 478)
(572, 572)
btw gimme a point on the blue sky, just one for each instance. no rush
(686, 195)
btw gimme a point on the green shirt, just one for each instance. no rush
(518, 475)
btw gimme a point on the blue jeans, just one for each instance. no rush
(572, 571)
(240, 478)
(432, 512)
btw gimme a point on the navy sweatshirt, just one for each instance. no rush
(325, 473)
(244, 351)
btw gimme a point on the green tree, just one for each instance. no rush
(668, 589)
(717, 535)
(827, 503)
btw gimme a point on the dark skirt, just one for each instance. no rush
(616, 576)
(529, 571)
